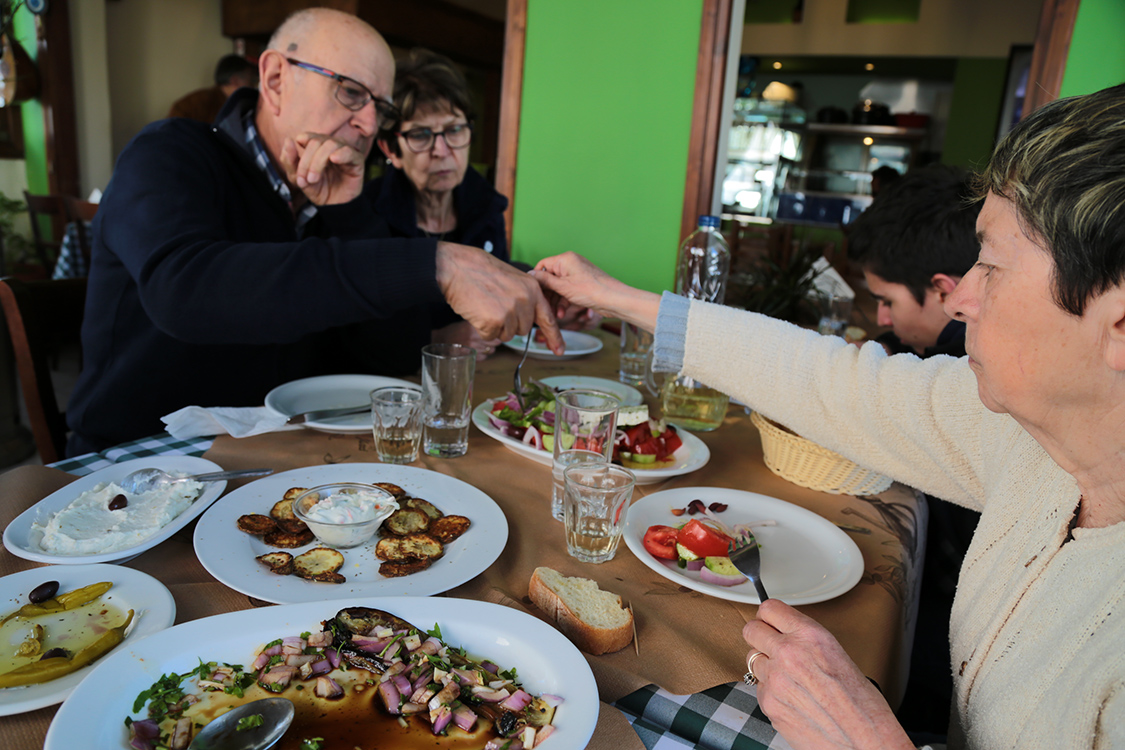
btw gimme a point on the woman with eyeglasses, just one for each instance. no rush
(428, 188)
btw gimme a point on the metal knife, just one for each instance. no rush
(322, 414)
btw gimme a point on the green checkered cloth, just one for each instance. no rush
(726, 717)
(162, 444)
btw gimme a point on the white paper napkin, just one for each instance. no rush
(236, 421)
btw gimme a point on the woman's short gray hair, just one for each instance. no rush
(1063, 167)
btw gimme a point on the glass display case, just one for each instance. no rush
(830, 183)
(763, 133)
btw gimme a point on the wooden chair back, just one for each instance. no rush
(81, 213)
(47, 251)
(40, 316)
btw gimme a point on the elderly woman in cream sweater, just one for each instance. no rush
(1029, 429)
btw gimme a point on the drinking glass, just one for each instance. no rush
(396, 423)
(447, 385)
(585, 421)
(635, 345)
(835, 310)
(596, 504)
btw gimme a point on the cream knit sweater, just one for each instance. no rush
(1038, 624)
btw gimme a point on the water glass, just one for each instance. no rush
(835, 311)
(396, 423)
(561, 462)
(596, 504)
(635, 346)
(585, 421)
(447, 385)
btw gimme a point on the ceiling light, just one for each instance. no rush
(868, 141)
(869, 66)
(777, 66)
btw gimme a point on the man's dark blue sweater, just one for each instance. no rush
(202, 292)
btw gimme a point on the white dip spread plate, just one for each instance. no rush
(545, 661)
(153, 610)
(21, 538)
(230, 554)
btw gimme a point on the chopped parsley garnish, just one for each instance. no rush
(436, 632)
(246, 723)
(312, 744)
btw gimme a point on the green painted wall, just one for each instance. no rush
(34, 137)
(978, 93)
(604, 132)
(1097, 56)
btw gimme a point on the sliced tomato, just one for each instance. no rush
(638, 433)
(660, 541)
(672, 441)
(704, 540)
(589, 444)
(650, 447)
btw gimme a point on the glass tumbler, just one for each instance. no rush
(396, 423)
(596, 504)
(585, 421)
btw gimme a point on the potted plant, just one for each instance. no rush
(780, 285)
(15, 248)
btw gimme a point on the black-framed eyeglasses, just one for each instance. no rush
(420, 140)
(351, 93)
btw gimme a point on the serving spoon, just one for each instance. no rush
(223, 733)
(145, 480)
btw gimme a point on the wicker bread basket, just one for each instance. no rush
(803, 462)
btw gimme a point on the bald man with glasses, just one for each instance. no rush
(227, 257)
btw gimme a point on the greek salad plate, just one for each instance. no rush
(805, 557)
(691, 456)
(152, 605)
(229, 553)
(330, 392)
(546, 662)
(578, 344)
(23, 535)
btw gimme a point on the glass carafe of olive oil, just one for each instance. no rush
(701, 273)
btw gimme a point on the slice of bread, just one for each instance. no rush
(592, 618)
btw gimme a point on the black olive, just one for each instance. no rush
(43, 592)
(118, 502)
(55, 652)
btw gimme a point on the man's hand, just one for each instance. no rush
(498, 300)
(328, 171)
(813, 693)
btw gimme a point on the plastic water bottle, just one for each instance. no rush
(701, 273)
(704, 262)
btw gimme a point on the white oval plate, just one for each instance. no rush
(805, 557)
(692, 455)
(330, 392)
(228, 553)
(625, 393)
(22, 541)
(152, 605)
(544, 659)
(578, 344)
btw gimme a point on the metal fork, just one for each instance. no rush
(748, 560)
(516, 382)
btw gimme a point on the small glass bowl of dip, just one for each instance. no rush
(344, 514)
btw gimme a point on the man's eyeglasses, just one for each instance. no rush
(351, 93)
(420, 140)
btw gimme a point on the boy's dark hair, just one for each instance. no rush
(230, 66)
(920, 224)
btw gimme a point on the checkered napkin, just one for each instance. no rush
(236, 421)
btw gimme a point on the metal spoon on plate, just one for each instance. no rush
(145, 480)
(223, 733)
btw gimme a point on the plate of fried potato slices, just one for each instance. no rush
(443, 533)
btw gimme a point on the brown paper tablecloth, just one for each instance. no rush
(687, 641)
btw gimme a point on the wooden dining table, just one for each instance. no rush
(687, 643)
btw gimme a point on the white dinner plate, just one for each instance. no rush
(23, 541)
(545, 661)
(693, 454)
(578, 344)
(152, 605)
(626, 394)
(229, 554)
(330, 392)
(805, 557)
